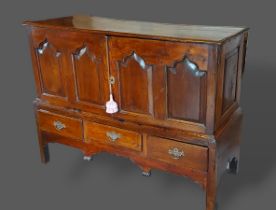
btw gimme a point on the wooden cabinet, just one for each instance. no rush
(177, 88)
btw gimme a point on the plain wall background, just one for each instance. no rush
(68, 182)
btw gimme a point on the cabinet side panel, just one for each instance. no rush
(229, 79)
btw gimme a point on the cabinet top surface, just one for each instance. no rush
(143, 29)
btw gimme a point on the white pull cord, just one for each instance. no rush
(111, 105)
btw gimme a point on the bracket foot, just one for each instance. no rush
(87, 158)
(146, 173)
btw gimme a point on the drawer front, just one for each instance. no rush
(58, 124)
(177, 153)
(112, 136)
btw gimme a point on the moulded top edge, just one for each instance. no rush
(202, 33)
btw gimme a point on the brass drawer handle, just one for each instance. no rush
(176, 153)
(113, 136)
(59, 125)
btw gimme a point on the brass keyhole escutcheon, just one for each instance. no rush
(112, 80)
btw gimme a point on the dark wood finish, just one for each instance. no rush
(172, 133)
(192, 156)
(58, 124)
(159, 97)
(186, 86)
(230, 79)
(49, 62)
(87, 58)
(130, 62)
(50, 122)
(208, 34)
(103, 133)
(186, 93)
(177, 86)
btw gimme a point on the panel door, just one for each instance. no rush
(49, 63)
(87, 61)
(71, 68)
(186, 82)
(137, 67)
(161, 83)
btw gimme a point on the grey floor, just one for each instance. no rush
(68, 182)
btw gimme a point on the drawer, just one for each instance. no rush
(58, 124)
(112, 136)
(177, 153)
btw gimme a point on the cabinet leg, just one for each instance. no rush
(87, 158)
(211, 186)
(146, 171)
(233, 166)
(44, 150)
(211, 198)
(89, 154)
(43, 144)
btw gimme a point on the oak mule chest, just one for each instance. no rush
(165, 96)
